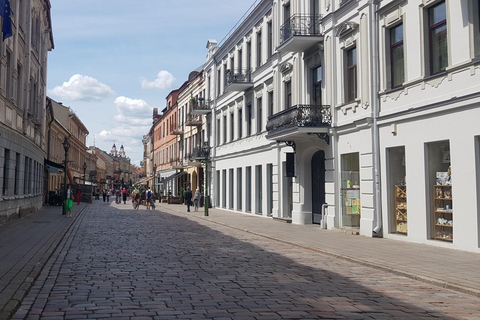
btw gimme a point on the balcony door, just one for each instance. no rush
(318, 185)
(316, 87)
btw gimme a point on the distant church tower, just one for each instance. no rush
(122, 152)
(114, 150)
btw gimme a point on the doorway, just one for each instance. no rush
(287, 193)
(318, 185)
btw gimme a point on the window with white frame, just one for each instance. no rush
(259, 115)
(288, 94)
(397, 64)
(437, 38)
(351, 75)
(259, 48)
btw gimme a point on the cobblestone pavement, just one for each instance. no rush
(119, 263)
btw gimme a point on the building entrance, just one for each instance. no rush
(318, 185)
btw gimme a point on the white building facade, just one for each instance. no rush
(351, 114)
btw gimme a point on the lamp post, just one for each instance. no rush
(84, 170)
(66, 146)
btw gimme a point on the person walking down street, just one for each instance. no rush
(148, 195)
(69, 202)
(79, 195)
(104, 194)
(108, 195)
(118, 196)
(196, 199)
(188, 199)
(124, 194)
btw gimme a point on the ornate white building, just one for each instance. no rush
(334, 107)
(23, 77)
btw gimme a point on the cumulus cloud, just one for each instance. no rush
(80, 87)
(133, 108)
(164, 80)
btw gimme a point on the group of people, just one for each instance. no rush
(69, 200)
(119, 194)
(196, 199)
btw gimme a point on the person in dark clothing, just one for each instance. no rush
(104, 194)
(124, 195)
(188, 198)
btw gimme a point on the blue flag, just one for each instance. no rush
(6, 13)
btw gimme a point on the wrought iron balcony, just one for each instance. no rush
(200, 106)
(300, 32)
(239, 80)
(201, 153)
(298, 121)
(193, 120)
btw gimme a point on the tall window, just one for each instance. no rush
(397, 72)
(351, 75)
(258, 189)
(270, 103)
(240, 64)
(259, 48)
(437, 28)
(19, 86)
(225, 129)
(248, 190)
(225, 69)
(240, 124)
(218, 132)
(17, 174)
(249, 56)
(6, 168)
(270, 39)
(259, 115)
(317, 86)
(288, 94)
(239, 189)
(232, 127)
(249, 119)
(219, 82)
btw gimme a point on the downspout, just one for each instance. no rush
(374, 89)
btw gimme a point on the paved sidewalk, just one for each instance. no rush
(25, 246)
(445, 267)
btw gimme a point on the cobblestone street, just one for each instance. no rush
(119, 263)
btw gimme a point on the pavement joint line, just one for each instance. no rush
(12, 304)
(425, 279)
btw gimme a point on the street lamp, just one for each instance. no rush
(154, 174)
(66, 146)
(84, 175)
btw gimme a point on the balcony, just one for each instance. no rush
(239, 80)
(201, 153)
(300, 32)
(299, 122)
(200, 106)
(177, 131)
(193, 120)
(178, 163)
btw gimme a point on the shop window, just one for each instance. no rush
(441, 196)
(269, 189)
(437, 38)
(218, 189)
(230, 190)
(248, 191)
(477, 169)
(258, 188)
(350, 190)
(397, 190)
(239, 189)
(224, 188)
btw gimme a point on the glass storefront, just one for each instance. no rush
(441, 195)
(397, 190)
(350, 190)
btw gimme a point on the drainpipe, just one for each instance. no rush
(374, 61)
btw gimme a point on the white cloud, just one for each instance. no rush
(80, 87)
(133, 108)
(164, 81)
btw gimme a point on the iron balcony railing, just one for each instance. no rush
(300, 25)
(239, 76)
(300, 116)
(201, 153)
(200, 104)
(193, 119)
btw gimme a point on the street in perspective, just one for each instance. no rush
(120, 263)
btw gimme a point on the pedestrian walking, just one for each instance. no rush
(104, 194)
(79, 196)
(188, 198)
(124, 194)
(69, 202)
(196, 199)
(108, 196)
(148, 195)
(118, 196)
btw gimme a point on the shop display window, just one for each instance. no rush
(350, 190)
(440, 178)
(397, 191)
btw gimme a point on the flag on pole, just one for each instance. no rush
(6, 13)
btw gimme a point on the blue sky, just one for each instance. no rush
(116, 60)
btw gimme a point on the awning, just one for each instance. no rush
(173, 176)
(47, 162)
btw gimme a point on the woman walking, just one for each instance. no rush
(69, 202)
